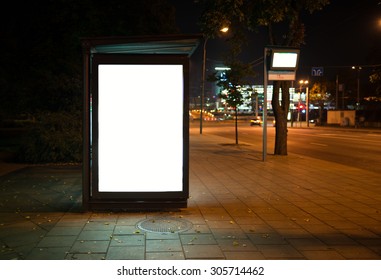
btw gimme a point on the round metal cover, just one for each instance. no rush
(164, 225)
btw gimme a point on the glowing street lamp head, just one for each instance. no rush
(305, 82)
(224, 29)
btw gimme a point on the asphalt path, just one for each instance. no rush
(359, 148)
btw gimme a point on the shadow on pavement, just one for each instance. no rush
(42, 189)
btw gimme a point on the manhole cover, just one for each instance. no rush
(164, 225)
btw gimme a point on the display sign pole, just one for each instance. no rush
(282, 67)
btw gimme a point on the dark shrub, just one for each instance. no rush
(54, 138)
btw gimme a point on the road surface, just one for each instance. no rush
(353, 147)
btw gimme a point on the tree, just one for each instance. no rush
(375, 79)
(41, 61)
(283, 21)
(218, 14)
(231, 85)
(320, 95)
(375, 59)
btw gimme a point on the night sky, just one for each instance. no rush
(343, 34)
(43, 38)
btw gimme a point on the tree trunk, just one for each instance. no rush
(280, 108)
(321, 109)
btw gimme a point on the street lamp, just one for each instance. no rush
(305, 82)
(358, 68)
(224, 29)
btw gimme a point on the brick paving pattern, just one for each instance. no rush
(290, 207)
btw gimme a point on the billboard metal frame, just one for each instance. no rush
(160, 50)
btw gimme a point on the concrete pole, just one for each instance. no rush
(264, 138)
(203, 83)
(307, 107)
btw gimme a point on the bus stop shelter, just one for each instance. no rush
(136, 121)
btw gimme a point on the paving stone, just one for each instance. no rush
(163, 245)
(356, 252)
(222, 224)
(165, 256)
(266, 238)
(103, 217)
(360, 233)
(64, 231)
(9, 254)
(57, 241)
(125, 229)
(161, 235)
(22, 250)
(52, 253)
(77, 221)
(130, 219)
(128, 240)
(198, 228)
(336, 239)
(223, 233)
(21, 227)
(257, 228)
(203, 252)
(90, 247)
(95, 235)
(198, 238)
(99, 226)
(21, 239)
(294, 233)
(279, 252)
(252, 255)
(308, 244)
(126, 253)
(85, 256)
(322, 255)
(234, 244)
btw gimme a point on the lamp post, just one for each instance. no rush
(358, 68)
(203, 82)
(307, 107)
(299, 100)
(305, 82)
(224, 29)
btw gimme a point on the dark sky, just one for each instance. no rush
(343, 34)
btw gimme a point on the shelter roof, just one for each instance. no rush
(158, 44)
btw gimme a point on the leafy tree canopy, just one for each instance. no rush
(283, 21)
(41, 61)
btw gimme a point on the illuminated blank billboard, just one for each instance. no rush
(138, 129)
(140, 121)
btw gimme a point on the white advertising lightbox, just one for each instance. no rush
(140, 128)
(140, 121)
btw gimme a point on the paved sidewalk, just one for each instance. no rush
(240, 208)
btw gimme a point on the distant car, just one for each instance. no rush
(256, 121)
